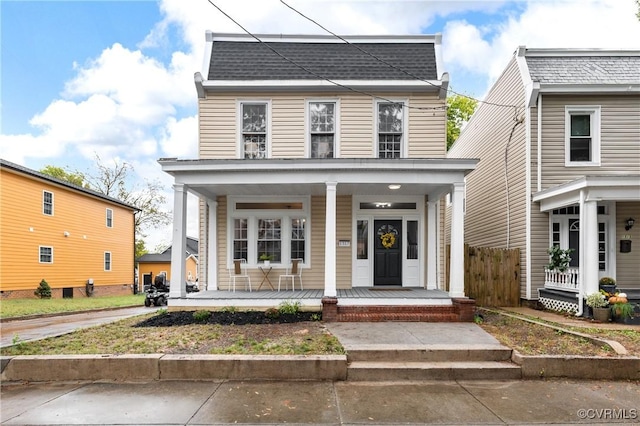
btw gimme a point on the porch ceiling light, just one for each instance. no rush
(395, 186)
(629, 223)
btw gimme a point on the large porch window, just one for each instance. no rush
(277, 229)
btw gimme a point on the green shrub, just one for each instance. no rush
(201, 315)
(289, 307)
(43, 291)
(229, 309)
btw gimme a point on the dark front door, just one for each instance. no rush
(388, 252)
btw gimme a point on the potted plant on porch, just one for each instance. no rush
(266, 259)
(559, 258)
(599, 306)
(621, 309)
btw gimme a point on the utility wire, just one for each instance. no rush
(316, 74)
(395, 67)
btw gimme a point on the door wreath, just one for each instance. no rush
(388, 240)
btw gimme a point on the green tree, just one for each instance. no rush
(459, 111)
(75, 178)
(141, 248)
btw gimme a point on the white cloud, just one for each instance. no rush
(180, 138)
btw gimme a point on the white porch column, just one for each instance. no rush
(456, 264)
(178, 288)
(589, 247)
(432, 236)
(212, 246)
(330, 242)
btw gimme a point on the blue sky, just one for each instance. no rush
(116, 78)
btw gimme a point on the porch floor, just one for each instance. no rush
(312, 299)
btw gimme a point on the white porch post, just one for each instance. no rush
(456, 265)
(179, 244)
(212, 246)
(330, 242)
(589, 246)
(432, 235)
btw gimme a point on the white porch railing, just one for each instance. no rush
(567, 280)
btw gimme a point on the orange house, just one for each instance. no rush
(151, 265)
(78, 240)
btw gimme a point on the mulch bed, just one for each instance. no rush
(179, 318)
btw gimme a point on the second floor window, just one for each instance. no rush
(582, 140)
(322, 128)
(109, 218)
(47, 203)
(254, 130)
(390, 129)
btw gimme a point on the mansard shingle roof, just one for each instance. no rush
(584, 69)
(237, 60)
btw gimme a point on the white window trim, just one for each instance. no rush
(405, 125)
(239, 140)
(107, 218)
(44, 191)
(40, 255)
(104, 261)
(253, 216)
(594, 112)
(307, 125)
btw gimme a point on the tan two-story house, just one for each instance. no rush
(559, 146)
(329, 152)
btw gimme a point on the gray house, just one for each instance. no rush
(558, 139)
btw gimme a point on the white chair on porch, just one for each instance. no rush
(239, 271)
(292, 272)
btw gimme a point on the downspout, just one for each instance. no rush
(580, 259)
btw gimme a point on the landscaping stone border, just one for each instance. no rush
(577, 367)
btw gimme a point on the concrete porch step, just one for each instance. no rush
(432, 353)
(470, 370)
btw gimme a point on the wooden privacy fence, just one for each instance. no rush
(491, 276)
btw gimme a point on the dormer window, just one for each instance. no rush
(582, 136)
(390, 129)
(254, 125)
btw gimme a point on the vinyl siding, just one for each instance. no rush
(76, 257)
(496, 202)
(156, 267)
(619, 141)
(627, 264)
(219, 134)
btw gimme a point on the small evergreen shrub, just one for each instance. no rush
(201, 315)
(272, 313)
(43, 291)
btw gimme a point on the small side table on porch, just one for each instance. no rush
(265, 276)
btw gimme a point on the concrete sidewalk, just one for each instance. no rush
(269, 402)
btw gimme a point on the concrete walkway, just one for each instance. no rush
(321, 403)
(26, 330)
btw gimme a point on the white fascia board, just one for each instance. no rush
(268, 85)
(437, 48)
(599, 187)
(303, 38)
(582, 52)
(208, 47)
(323, 165)
(589, 88)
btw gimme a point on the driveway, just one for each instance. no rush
(49, 326)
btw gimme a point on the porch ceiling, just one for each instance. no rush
(309, 176)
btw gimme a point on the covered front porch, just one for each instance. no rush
(335, 216)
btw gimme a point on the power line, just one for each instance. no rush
(316, 74)
(390, 64)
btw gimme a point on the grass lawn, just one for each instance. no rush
(14, 308)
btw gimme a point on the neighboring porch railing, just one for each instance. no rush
(567, 280)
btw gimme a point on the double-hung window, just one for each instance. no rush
(47, 203)
(390, 129)
(109, 218)
(254, 125)
(46, 254)
(322, 129)
(582, 136)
